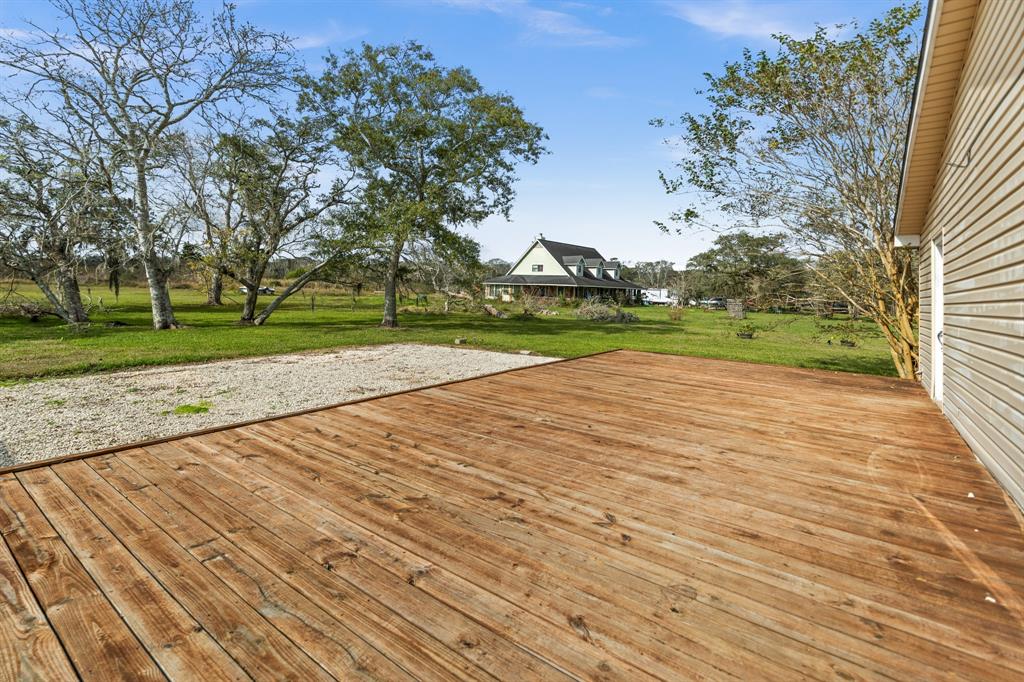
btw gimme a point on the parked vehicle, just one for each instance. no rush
(658, 297)
(714, 303)
(261, 290)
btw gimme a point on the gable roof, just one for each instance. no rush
(948, 33)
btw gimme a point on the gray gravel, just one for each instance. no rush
(62, 416)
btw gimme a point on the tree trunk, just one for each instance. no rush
(159, 296)
(216, 290)
(72, 296)
(391, 286)
(52, 298)
(293, 288)
(156, 278)
(252, 294)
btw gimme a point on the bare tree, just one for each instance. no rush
(258, 195)
(54, 210)
(133, 71)
(451, 266)
(211, 193)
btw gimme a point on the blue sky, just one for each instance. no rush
(591, 73)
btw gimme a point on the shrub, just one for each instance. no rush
(675, 313)
(602, 312)
(531, 305)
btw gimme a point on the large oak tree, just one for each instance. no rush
(258, 194)
(431, 148)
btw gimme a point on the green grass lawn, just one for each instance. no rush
(48, 348)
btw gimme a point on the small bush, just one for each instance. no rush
(675, 313)
(531, 305)
(602, 312)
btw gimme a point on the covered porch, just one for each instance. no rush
(569, 292)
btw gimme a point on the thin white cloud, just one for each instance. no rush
(602, 92)
(15, 34)
(743, 19)
(545, 25)
(331, 34)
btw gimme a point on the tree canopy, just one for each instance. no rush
(750, 266)
(132, 72)
(431, 148)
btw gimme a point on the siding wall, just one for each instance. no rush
(538, 255)
(978, 208)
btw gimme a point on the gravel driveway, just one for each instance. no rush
(61, 416)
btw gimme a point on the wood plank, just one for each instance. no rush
(561, 552)
(346, 557)
(171, 636)
(638, 528)
(260, 649)
(380, 625)
(98, 642)
(456, 549)
(29, 648)
(329, 641)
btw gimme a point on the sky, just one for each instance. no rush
(592, 74)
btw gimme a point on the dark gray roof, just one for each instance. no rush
(594, 261)
(561, 250)
(561, 280)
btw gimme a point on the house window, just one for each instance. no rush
(538, 268)
(579, 270)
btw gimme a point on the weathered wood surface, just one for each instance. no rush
(599, 519)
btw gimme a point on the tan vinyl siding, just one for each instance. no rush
(924, 327)
(538, 255)
(978, 206)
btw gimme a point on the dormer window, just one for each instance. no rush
(579, 269)
(538, 267)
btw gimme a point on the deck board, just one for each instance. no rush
(621, 516)
(29, 648)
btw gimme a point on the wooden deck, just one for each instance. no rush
(622, 516)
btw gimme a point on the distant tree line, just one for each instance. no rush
(760, 270)
(149, 137)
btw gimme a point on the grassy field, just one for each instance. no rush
(48, 348)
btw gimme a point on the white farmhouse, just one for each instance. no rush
(553, 269)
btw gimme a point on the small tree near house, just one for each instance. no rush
(810, 140)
